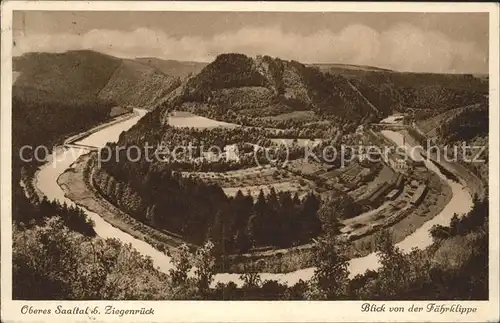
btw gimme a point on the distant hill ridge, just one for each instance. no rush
(254, 86)
(89, 75)
(173, 68)
(343, 67)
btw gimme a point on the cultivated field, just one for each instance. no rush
(252, 180)
(184, 119)
(307, 166)
(236, 174)
(384, 175)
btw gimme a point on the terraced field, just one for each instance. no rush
(255, 179)
(307, 166)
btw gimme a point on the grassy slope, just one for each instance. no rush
(138, 85)
(465, 124)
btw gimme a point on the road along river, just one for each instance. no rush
(62, 158)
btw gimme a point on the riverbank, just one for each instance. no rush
(461, 202)
(297, 258)
(60, 144)
(474, 185)
(77, 186)
(117, 119)
(436, 199)
(62, 158)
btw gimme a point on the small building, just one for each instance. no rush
(231, 153)
(398, 163)
(210, 156)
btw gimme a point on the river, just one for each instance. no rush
(62, 158)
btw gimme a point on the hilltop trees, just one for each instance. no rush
(274, 220)
(50, 261)
(227, 71)
(30, 212)
(192, 273)
(394, 274)
(105, 269)
(204, 262)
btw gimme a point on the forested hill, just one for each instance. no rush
(469, 124)
(265, 86)
(83, 74)
(70, 75)
(423, 94)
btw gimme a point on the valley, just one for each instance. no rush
(263, 158)
(460, 202)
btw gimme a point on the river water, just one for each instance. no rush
(62, 158)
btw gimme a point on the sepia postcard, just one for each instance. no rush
(249, 162)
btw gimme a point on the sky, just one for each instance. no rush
(415, 42)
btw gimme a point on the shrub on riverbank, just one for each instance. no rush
(51, 261)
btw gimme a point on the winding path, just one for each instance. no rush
(63, 157)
